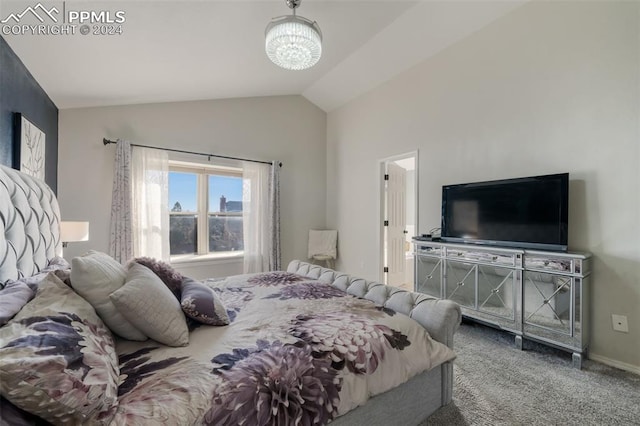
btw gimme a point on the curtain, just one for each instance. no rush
(120, 247)
(274, 218)
(150, 203)
(260, 217)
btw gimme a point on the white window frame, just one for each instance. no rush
(202, 171)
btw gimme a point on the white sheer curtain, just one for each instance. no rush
(261, 217)
(120, 246)
(150, 202)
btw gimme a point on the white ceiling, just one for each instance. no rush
(192, 50)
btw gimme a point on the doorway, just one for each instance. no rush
(399, 218)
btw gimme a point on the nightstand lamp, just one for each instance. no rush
(71, 232)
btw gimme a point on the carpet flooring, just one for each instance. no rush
(497, 384)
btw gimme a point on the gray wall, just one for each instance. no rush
(285, 128)
(552, 87)
(20, 92)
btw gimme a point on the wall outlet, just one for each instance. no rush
(620, 323)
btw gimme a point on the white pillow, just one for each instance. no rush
(149, 305)
(96, 275)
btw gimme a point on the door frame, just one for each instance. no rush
(381, 205)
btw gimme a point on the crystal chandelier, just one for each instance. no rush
(293, 42)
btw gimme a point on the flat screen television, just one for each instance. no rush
(530, 212)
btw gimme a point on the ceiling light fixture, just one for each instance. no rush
(293, 42)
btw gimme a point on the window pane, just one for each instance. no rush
(225, 233)
(183, 231)
(225, 194)
(183, 192)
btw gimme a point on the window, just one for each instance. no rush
(205, 209)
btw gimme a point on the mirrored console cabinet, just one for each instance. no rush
(536, 295)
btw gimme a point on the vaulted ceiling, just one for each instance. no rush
(191, 50)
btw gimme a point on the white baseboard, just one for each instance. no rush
(614, 363)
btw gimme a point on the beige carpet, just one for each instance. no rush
(496, 384)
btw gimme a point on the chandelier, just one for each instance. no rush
(293, 42)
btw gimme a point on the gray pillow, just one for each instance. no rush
(150, 306)
(200, 303)
(13, 296)
(58, 265)
(95, 276)
(168, 275)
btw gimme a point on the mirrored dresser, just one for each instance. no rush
(537, 295)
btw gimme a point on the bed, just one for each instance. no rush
(308, 345)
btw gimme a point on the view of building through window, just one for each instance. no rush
(218, 219)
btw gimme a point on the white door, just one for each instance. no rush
(396, 223)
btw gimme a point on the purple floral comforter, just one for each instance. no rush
(297, 351)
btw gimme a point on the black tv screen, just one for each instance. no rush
(530, 212)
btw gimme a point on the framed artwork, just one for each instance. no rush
(28, 147)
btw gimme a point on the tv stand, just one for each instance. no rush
(536, 295)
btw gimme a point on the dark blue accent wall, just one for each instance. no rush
(20, 92)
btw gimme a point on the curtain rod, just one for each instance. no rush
(106, 141)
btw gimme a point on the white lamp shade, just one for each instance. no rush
(74, 231)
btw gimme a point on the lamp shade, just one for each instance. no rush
(74, 231)
(293, 42)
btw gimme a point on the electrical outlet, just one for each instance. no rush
(620, 323)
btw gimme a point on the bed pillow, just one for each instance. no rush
(58, 358)
(169, 276)
(58, 265)
(95, 276)
(13, 296)
(200, 303)
(151, 307)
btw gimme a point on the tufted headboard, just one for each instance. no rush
(30, 225)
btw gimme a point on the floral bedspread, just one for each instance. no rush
(297, 351)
